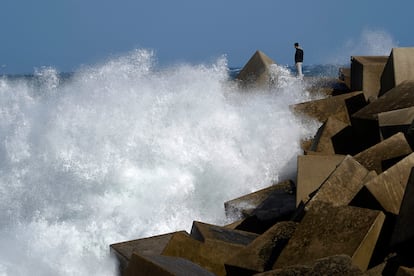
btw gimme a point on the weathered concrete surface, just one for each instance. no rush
(256, 71)
(342, 184)
(403, 234)
(150, 265)
(399, 68)
(278, 206)
(366, 74)
(405, 271)
(150, 246)
(337, 265)
(322, 109)
(326, 231)
(312, 171)
(322, 142)
(401, 96)
(260, 255)
(345, 76)
(244, 206)
(394, 121)
(210, 254)
(202, 231)
(391, 148)
(388, 187)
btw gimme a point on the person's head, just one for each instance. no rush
(296, 45)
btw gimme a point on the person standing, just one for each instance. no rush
(298, 60)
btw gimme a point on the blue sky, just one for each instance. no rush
(67, 34)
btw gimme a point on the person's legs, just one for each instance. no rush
(299, 69)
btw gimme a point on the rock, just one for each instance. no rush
(204, 231)
(149, 246)
(401, 96)
(366, 74)
(337, 265)
(390, 149)
(399, 68)
(244, 206)
(342, 184)
(210, 254)
(322, 109)
(150, 265)
(280, 205)
(256, 72)
(325, 231)
(312, 171)
(322, 142)
(388, 187)
(260, 255)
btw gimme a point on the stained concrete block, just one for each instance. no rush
(391, 148)
(405, 271)
(403, 234)
(394, 121)
(148, 246)
(401, 96)
(366, 74)
(399, 68)
(278, 206)
(259, 255)
(312, 171)
(326, 231)
(210, 254)
(322, 142)
(256, 71)
(342, 184)
(388, 187)
(203, 231)
(337, 265)
(345, 76)
(360, 135)
(322, 109)
(244, 206)
(150, 265)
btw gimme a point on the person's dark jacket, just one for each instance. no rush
(299, 55)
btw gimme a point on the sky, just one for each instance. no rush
(69, 34)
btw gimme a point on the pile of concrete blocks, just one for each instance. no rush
(350, 211)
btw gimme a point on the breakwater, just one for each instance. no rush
(348, 210)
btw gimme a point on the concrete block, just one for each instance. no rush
(405, 271)
(256, 71)
(244, 206)
(403, 234)
(150, 265)
(312, 171)
(326, 231)
(345, 76)
(339, 265)
(388, 187)
(353, 139)
(366, 74)
(260, 255)
(399, 68)
(399, 120)
(210, 254)
(322, 109)
(148, 246)
(202, 231)
(278, 206)
(342, 184)
(322, 141)
(401, 96)
(391, 148)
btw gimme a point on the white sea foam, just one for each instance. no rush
(125, 150)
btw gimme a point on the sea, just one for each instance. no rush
(129, 149)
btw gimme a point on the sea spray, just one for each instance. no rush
(125, 150)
